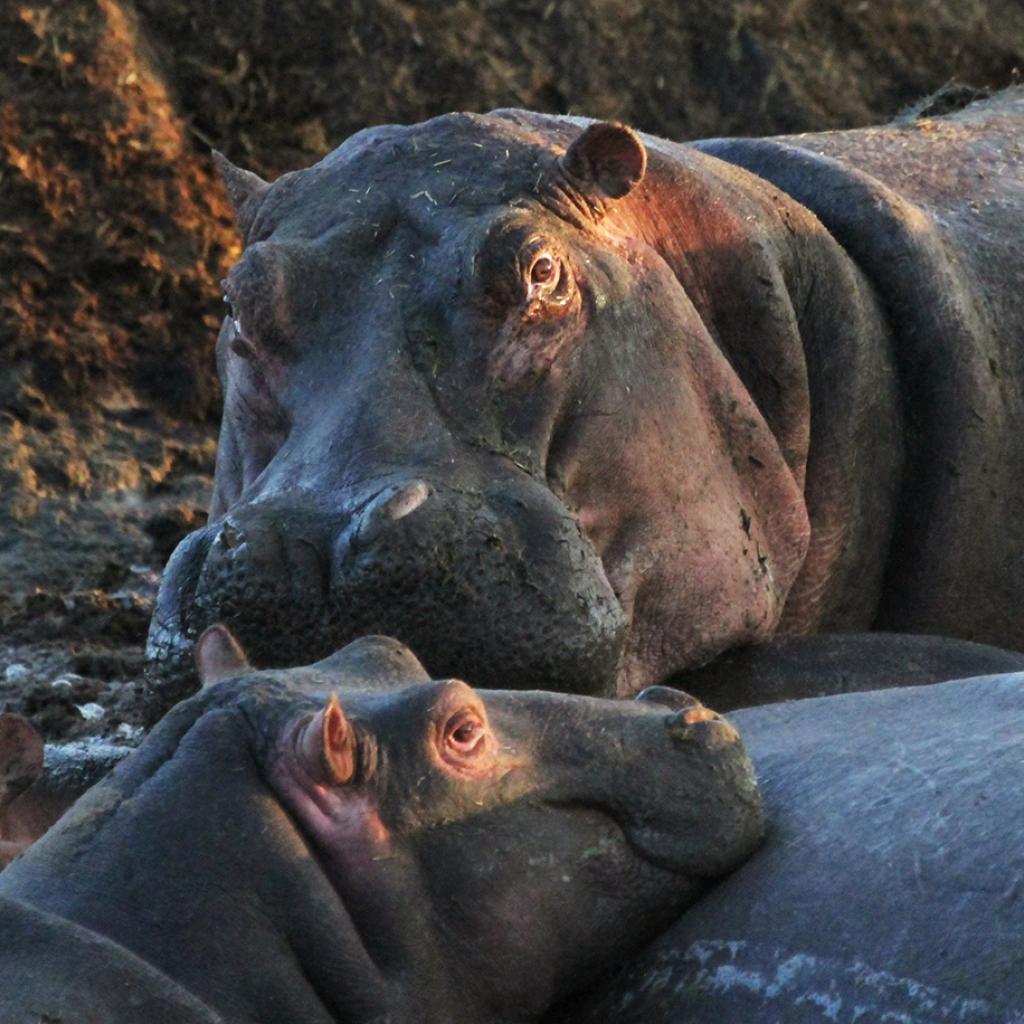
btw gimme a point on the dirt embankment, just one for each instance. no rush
(114, 231)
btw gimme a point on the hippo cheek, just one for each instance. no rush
(546, 891)
(368, 869)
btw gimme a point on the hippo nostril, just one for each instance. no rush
(407, 500)
(385, 508)
(679, 724)
(231, 536)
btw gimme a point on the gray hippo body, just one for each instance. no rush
(420, 853)
(891, 885)
(798, 667)
(562, 405)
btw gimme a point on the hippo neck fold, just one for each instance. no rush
(805, 333)
(928, 233)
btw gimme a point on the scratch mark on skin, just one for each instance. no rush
(731, 979)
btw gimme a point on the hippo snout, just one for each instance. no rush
(708, 816)
(494, 583)
(699, 724)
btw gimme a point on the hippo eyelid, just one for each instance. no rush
(465, 730)
(461, 736)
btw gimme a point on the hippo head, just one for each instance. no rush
(468, 403)
(497, 849)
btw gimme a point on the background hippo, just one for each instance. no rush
(417, 853)
(889, 888)
(557, 403)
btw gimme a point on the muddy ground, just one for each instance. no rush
(114, 231)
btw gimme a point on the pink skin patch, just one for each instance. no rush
(343, 820)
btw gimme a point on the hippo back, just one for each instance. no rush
(889, 887)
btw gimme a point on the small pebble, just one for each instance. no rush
(61, 682)
(18, 674)
(90, 712)
(68, 679)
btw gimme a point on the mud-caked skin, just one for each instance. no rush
(564, 405)
(420, 852)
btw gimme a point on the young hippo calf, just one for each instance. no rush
(409, 854)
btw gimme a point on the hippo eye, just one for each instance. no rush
(549, 286)
(543, 271)
(464, 734)
(237, 341)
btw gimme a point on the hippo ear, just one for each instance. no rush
(328, 745)
(245, 190)
(21, 756)
(219, 656)
(606, 157)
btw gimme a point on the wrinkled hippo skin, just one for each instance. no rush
(561, 405)
(421, 852)
(798, 667)
(889, 887)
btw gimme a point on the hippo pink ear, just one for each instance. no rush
(219, 656)
(606, 157)
(21, 756)
(245, 190)
(328, 745)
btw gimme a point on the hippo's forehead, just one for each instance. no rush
(431, 175)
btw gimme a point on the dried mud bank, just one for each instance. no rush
(114, 231)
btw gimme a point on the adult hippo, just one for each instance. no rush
(891, 884)
(418, 853)
(561, 404)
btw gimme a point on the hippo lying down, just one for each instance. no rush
(419, 852)
(563, 405)
(891, 884)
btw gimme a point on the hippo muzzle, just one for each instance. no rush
(496, 583)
